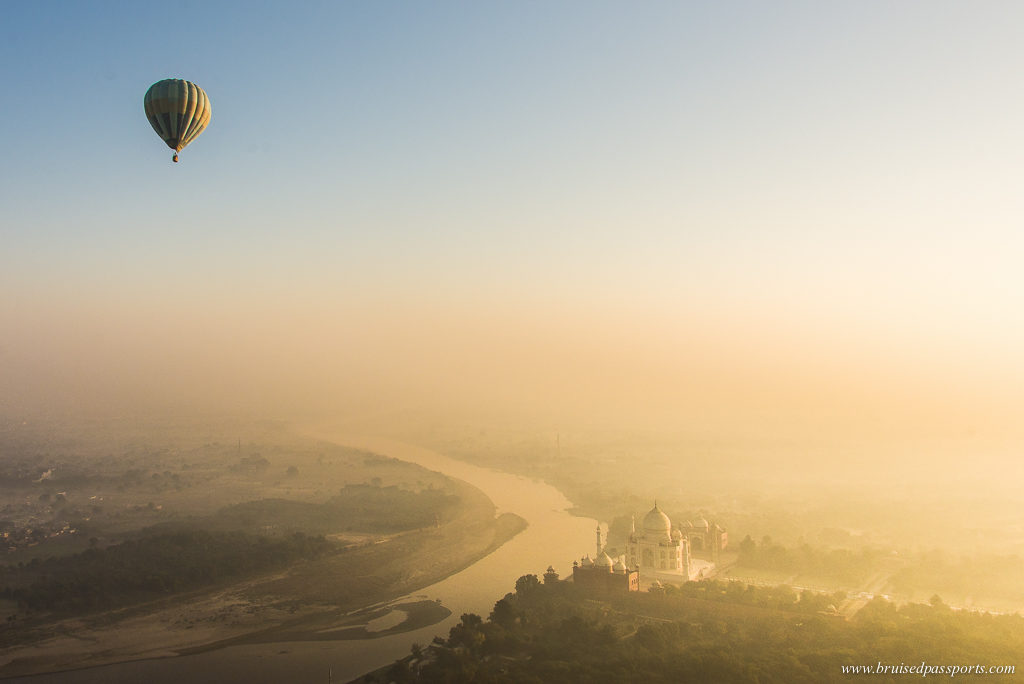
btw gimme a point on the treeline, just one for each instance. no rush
(780, 597)
(150, 567)
(553, 632)
(983, 577)
(841, 565)
(362, 507)
(393, 508)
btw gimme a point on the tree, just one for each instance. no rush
(527, 584)
(747, 547)
(505, 613)
(472, 620)
(467, 633)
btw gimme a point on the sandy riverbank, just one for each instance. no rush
(318, 600)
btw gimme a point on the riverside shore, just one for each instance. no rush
(333, 598)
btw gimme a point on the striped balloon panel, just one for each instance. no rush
(177, 110)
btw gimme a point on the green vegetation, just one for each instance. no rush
(150, 567)
(990, 577)
(779, 597)
(840, 565)
(362, 507)
(700, 632)
(240, 540)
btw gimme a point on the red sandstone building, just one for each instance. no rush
(602, 576)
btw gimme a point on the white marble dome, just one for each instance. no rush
(656, 523)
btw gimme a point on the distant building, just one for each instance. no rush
(658, 548)
(705, 536)
(603, 575)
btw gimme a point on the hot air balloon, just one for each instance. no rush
(178, 110)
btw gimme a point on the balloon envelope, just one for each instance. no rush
(178, 111)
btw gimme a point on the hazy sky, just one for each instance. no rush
(801, 215)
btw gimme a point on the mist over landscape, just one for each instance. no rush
(443, 288)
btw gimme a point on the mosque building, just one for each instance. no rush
(602, 574)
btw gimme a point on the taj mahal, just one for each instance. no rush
(658, 551)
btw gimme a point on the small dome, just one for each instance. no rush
(619, 566)
(587, 563)
(603, 561)
(656, 523)
(701, 523)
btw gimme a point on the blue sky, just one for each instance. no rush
(841, 176)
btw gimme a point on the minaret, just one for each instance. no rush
(599, 546)
(631, 544)
(686, 558)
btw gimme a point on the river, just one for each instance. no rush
(553, 538)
